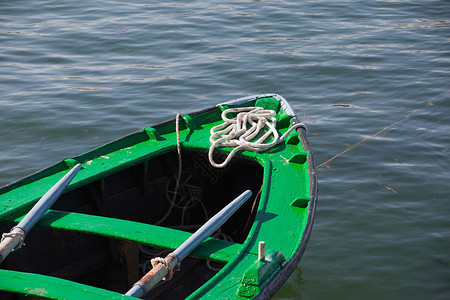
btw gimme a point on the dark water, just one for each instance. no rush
(369, 77)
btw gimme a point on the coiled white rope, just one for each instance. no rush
(249, 130)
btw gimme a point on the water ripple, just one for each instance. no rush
(370, 80)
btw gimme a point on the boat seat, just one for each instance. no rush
(51, 287)
(167, 238)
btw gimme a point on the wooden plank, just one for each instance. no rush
(167, 238)
(52, 287)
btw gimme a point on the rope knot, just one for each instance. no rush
(159, 260)
(14, 234)
(248, 130)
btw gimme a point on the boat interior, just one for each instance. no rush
(150, 192)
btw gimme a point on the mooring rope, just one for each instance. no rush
(329, 161)
(180, 168)
(159, 260)
(248, 130)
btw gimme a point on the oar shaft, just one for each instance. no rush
(16, 236)
(154, 276)
(10, 241)
(212, 225)
(44, 204)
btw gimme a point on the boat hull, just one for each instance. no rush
(126, 195)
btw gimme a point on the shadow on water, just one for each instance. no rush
(294, 286)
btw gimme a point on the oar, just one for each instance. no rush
(14, 239)
(166, 265)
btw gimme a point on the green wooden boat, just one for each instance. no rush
(131, 202)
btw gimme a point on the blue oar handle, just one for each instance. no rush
(14, 239)
(155, 275)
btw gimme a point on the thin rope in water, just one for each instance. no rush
(329, 161)
(245, 131)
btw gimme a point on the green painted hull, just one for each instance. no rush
(90, 243)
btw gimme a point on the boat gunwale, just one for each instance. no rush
(286, 271)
